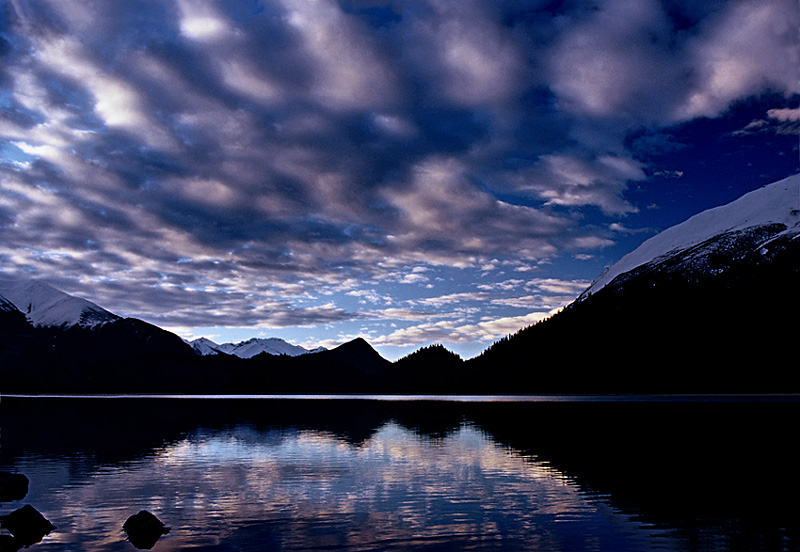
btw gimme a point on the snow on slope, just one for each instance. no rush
(6, 305)
(204, 346)
(44, 305)
(249, 348)
(778, 202)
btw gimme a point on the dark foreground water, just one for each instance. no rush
(362, 475)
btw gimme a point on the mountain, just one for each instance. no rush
(431, 369)
(44, 305)
(357, 354)
(53, 342)
(706, 306)
(769, 213)
(250, 348)
(204, 346)
(7, 306)
(352, 367)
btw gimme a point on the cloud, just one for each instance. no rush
(477, 317)
(441, 210)
(572, 181)
(745, 49)
(777, 121)
(558, 286)
(785, 114)
(199, 21)
(452, 333)
(452, 298)
(615, 61)
(465, 54)
(636, 62)
(210, 161)
(349, 71)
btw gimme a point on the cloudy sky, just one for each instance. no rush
(409, 171)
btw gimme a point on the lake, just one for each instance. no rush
(361, 474)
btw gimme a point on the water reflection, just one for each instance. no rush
(356, 476)
(308, 489)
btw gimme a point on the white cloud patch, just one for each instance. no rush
(200, 21)
(451, 332)
(440, 204)
(467, 55)
(777, 121)
(349, 72)
(614, 61)
(571, 181)
(786, 114)
(749, 47)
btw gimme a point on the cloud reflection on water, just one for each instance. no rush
(300, 489)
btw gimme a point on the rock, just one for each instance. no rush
(9, 544)
(13, 486)
(144, 529)
(27, 525)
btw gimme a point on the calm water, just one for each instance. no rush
(363, 475)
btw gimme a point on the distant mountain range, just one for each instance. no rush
(250, 348)
(706, 306)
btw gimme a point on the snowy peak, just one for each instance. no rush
(44, 305)
(775, 206)
(250, 348)
(204, 346)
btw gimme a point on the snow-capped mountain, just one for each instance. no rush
(703, 307)
(204, 346)
(44, 305)
(250, 348)
(769, 213)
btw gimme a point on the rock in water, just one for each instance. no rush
(9, 544)
(13, 486)
(27, 525)
(144, 529)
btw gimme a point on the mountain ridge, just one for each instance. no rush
(44, 305)
(776, 203)
(250, 347)
(708, 316)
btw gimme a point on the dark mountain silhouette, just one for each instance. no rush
(663, 330)
(353, 367)
(697, 310)
(115, 357)
(356, 354)
(432, 369)
(16, 335)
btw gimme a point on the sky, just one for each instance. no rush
(407, 171)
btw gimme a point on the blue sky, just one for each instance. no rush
(410, 171)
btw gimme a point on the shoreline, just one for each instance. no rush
(564, 398)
